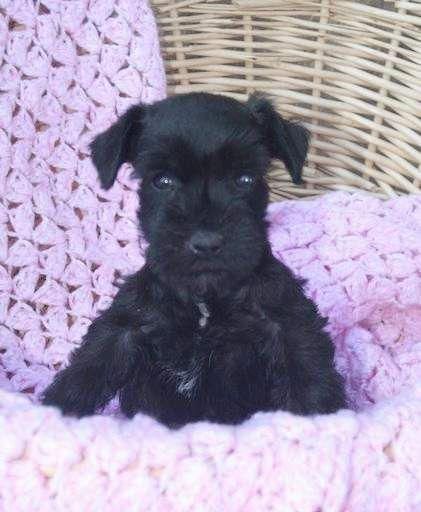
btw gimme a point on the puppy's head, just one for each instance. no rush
(202, 159)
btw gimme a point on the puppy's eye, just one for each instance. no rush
(245, 180)
(164, 182)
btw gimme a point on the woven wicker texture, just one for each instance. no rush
(350, 70)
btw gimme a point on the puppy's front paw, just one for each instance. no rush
(75, 393)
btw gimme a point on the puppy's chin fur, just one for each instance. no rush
(213, 327)
(207, 286)
(205, 281)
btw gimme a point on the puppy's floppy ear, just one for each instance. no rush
(286, 140)
(115, 146)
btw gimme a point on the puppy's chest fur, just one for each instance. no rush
(187, 380)
(214, 347)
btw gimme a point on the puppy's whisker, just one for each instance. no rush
(210, 358)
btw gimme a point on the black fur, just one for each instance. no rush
(213, 327)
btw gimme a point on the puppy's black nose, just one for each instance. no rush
(205, 243)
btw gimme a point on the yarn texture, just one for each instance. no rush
(68, 69)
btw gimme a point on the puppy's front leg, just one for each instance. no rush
(310, 383)
(97, 369)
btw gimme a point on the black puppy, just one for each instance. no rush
(213, 327)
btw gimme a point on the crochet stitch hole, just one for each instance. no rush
(78, 213)
(40, 282)
(37, 220)
(69, 110)
(43, 9)
(125, 65)
(11, 241)
(40, 126)
(14, 272)
(81, 51)
(24, 77)
(71, 320)
(15, 26)
(56, 64)
(43, 309)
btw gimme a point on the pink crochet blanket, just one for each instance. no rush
(67, 69)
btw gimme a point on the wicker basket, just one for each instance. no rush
(350, 70)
